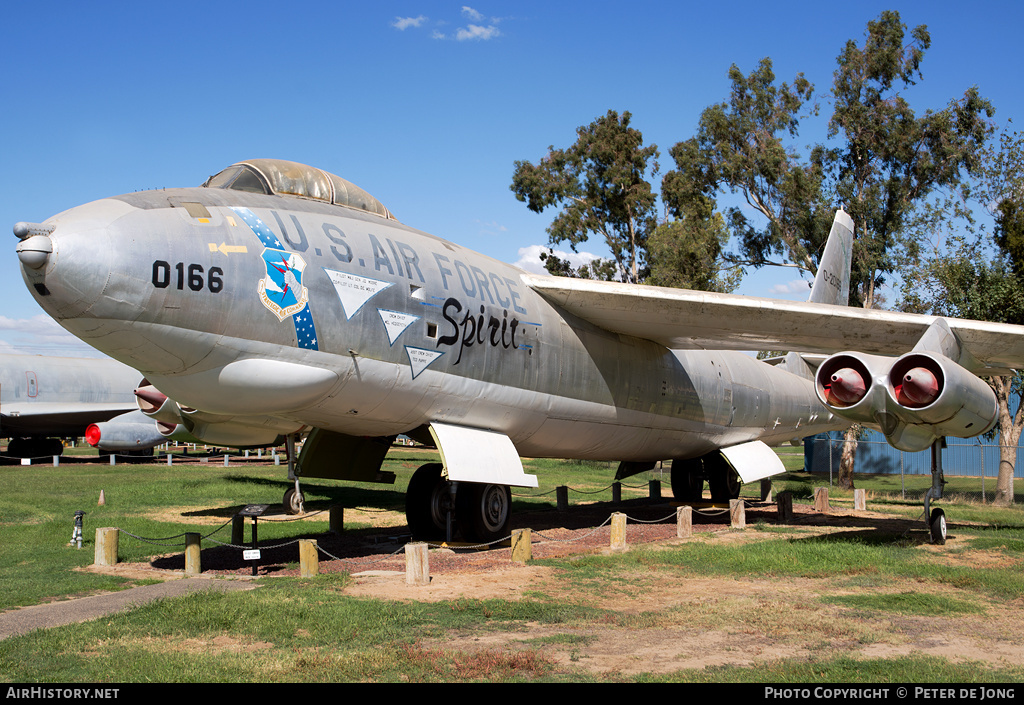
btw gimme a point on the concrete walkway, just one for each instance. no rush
(55, 614)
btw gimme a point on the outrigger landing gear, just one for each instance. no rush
(439, 509)
(293, 499)
(936, 518)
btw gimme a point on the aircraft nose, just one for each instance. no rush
(66, 262)
(35, 247)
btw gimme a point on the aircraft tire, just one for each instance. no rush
(937, 527)
(292, 501)
(426, 503)
(724, 482)
(687, 484)
(484, 511)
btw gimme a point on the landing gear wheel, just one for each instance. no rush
(937, 527)
(292, 501)
(484, 511)
(687, 484)
(724, 482)
(427, 502)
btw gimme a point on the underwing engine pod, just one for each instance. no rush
(914, 399)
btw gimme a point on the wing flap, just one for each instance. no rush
(697, 320)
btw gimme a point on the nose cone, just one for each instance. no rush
(90, 268)
(68, 268)
(35, 251)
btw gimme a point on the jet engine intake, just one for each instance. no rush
(848, 385)
(929, 388)
(913, 399)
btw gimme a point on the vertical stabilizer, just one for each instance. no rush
(832, 283)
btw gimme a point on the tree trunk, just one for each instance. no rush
(1004, 483)
(1009, 434)
(846, 460)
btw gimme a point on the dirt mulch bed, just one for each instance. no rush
(580, 529)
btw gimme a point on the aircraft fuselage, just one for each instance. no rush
(376, 329)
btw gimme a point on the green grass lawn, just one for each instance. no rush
(311, 630)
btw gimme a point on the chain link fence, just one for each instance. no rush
(970, 466)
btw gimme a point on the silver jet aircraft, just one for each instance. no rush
(44, 399)
(278, 299)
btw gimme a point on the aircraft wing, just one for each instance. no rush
(56, 418)
(688, 320)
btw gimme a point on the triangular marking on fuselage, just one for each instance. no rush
(420, 358)
(395, 322)
(354, 291)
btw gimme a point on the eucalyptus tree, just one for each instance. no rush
(742, 147)
(600, 184)
(969, 278)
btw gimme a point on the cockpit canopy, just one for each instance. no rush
(283, 178)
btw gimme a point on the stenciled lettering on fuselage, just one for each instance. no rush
(470, 317)
(474, 329)
(479, 309)
(281, 289)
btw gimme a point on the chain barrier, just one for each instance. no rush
(467, 547)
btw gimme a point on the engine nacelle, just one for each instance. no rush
(131, 431)
(852, 385)
(178, 423)
(913, 399)
(155, 404)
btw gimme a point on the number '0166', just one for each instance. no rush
(183, 275)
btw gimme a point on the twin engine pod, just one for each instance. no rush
(181, 423)
(913, 399)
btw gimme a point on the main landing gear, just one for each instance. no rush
(439, 509)
(689, 474)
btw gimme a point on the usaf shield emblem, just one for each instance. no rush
(281, 290)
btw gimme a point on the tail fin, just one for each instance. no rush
(832, 283)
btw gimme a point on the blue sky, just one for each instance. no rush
(425, 105)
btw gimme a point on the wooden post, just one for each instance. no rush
(616, 493)
(106, 546)
(766, 489)
(237, 529)
(737, 514)
(821, 499)
(309, 560)
(785, 502)
(522, 548)
(562, 497)
(684, 522)
(417, 567)
(337, 519)
(654, 489)
(192, 551)
(618, 532)
(859, 500)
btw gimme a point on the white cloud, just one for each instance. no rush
(795, 286)
(476, 32)
(491, 227)
(40, 335)
(403, 23)
(529, 258)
